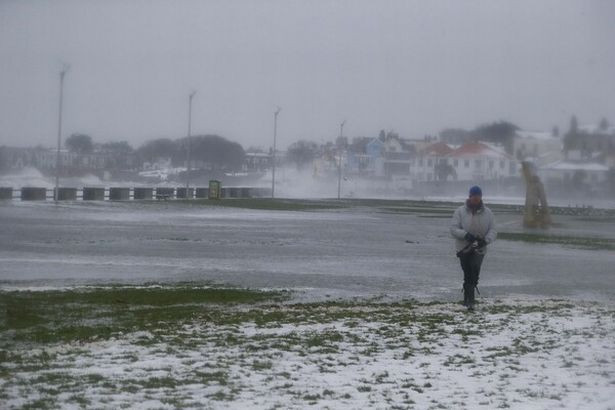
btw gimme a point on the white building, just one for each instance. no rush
(565, 172)
(540, 146)
(470, 162)
(423, 165)
(257, 161)
(477, 161)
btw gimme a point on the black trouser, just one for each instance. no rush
(470, 264)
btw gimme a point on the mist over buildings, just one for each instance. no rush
(410, 68)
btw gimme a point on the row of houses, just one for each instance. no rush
(431, 162)
(428, 160)
(416, 160)
(44, 159)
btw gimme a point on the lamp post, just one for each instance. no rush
(275, 136)
(189, 146)
(62, 74)
(339, 164)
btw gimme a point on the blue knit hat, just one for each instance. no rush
(476, 191)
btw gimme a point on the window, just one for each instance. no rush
(491, 164)
(456, 163)
(421, 162)
(430, 162)
(478, 163)
(502, 164)
(466, 163)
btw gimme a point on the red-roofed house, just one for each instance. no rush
(479, 161)
(439, 149)
(423, 165)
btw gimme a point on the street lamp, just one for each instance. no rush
(275, 136)
(62, 74)
(189, 147)
(339, 164)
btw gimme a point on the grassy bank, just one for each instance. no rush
(96, 313)
(401, 206)
(591, 243)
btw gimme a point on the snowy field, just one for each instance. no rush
(353, 304)
(110, 353)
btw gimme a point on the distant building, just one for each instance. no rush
(473, 161)
(574, 173)
(370, 163)
(424, 166)
(15, 158)
(477, 161)
(590, 142)
(395, 158)
(539, 146)
(257, 162)
(45, 159)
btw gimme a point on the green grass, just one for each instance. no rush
(95, 313)
(419, 211)
(87, 314)
(149, 295)
(574, 241)
(267, 204)
(101, 313)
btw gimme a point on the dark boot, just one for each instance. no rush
(468, 294)
(470, 297)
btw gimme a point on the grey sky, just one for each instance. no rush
(415, 67)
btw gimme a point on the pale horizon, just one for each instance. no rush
(412, 67)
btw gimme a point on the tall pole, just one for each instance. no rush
(275, 138)
(339, 163)
(189, 146)
(62, 74)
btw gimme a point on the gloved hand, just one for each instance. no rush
(469, 237)
(481, 243)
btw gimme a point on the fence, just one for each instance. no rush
(125, 194)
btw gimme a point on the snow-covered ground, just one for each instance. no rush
(520, 354)
(543, 335)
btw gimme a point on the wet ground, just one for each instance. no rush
(362, 249)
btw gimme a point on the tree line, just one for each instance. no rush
(210, 151)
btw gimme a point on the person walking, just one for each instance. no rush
(473, 227)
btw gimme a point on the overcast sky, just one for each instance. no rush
(414, 67)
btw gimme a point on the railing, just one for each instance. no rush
(127, 193)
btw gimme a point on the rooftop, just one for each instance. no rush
(478, 149)
(539, 135)
(575, 166)
(438, 149)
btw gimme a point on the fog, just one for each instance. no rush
(293, 203)
(410, 66)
